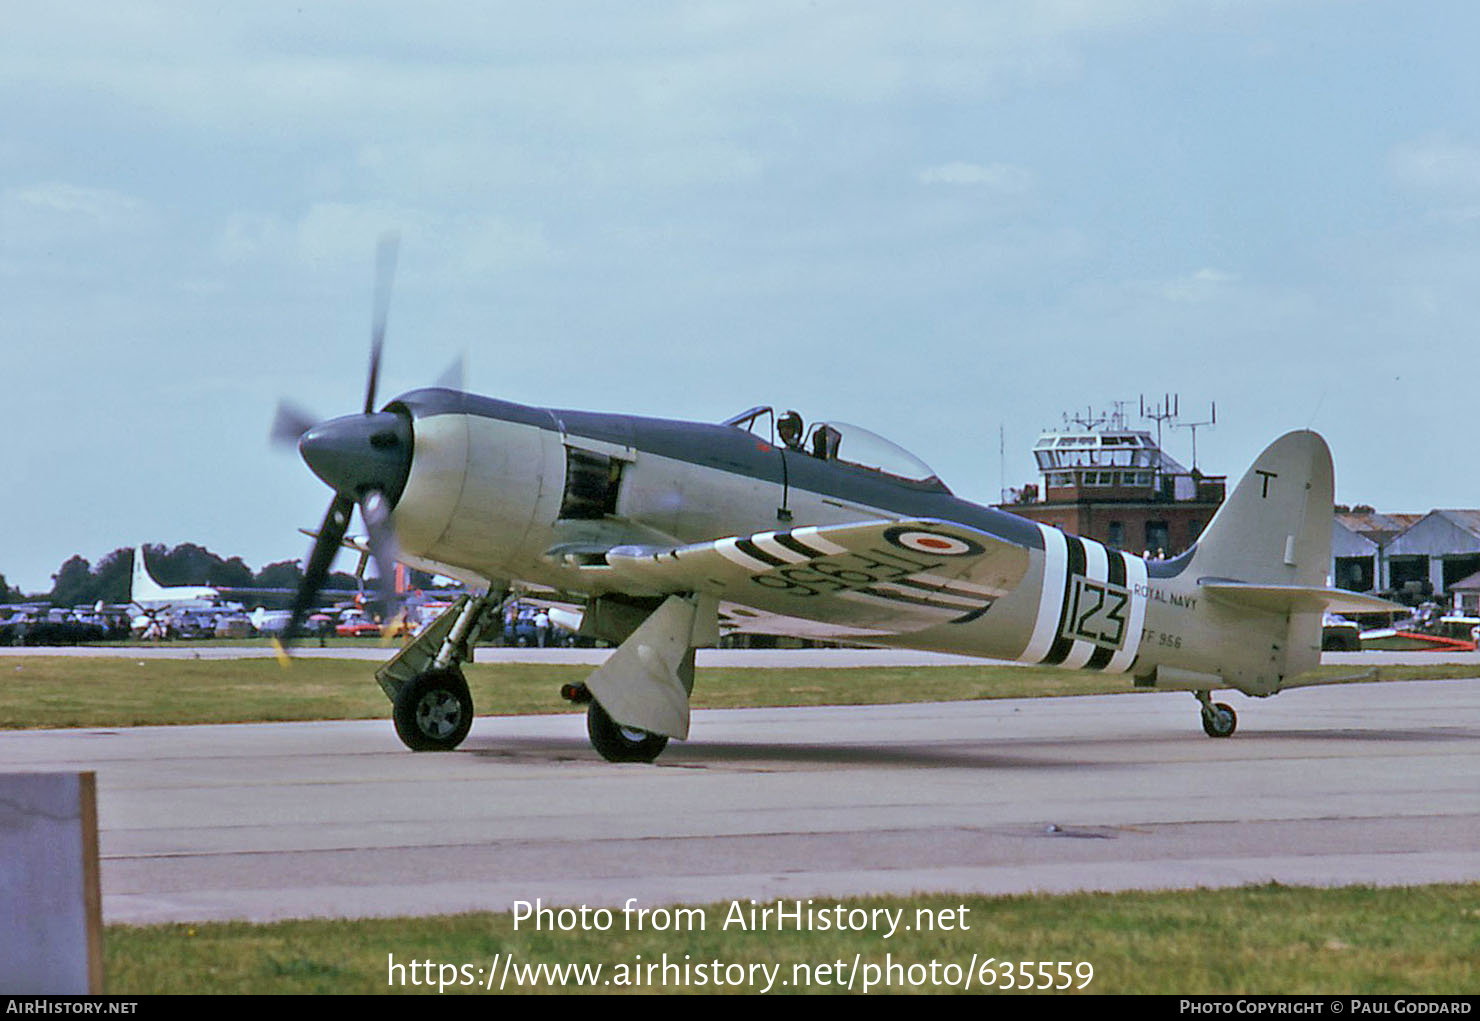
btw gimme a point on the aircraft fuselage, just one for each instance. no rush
(499, 492)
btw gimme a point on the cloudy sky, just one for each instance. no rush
(938, 220)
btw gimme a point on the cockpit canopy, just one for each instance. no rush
(846, 444)
(857, 445)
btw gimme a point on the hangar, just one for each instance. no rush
(1417, 556)
(1358, 541)
(1437, 552)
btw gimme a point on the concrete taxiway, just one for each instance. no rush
(1365, 783)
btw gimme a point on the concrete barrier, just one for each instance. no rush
(51, 926)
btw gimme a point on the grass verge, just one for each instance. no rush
(1265, 939)
(61, 691)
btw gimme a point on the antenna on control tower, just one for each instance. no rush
(1159, 413)
(1212, 420)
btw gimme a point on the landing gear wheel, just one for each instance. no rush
(617, 743)
(1221, 722)
(434, 711)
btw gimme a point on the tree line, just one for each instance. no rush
(79, 582)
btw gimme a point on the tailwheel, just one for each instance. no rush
(1218, 719)
(434, 711)
(617, 743)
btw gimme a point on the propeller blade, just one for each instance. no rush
(292, 424)
(375, 510)
(320, 559)
(289, 423)
(385, 272)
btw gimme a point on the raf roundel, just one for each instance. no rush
(933, 543)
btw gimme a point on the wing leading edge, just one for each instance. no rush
(879, 577)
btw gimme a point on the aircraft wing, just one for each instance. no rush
(871, 577)
(737, 619)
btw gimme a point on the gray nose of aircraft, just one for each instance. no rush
(359, 453)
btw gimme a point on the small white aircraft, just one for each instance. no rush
(665, 531)
(148, 594)
(156, 602)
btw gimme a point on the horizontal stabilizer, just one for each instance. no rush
(1300, 598)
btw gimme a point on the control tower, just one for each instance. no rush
(1101, 479)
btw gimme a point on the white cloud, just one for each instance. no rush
(676, 68)
(248, 236)
(59, 228)
(1194, 288)
(333, 236)
(1444, 173)
(98, 207)
(1442, 167)
(999, 177)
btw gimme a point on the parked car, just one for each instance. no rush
(28, 631)
(1339, 634)
(357, 627)
(233, 625)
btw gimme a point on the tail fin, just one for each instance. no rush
(143, 585)
(1267, 552)
(1276, 527)
(1269, 547)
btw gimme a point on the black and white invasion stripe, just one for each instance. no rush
(1053, 641)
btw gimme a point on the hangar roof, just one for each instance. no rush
(1470, 584)
(1440, 532)
(1378, 528)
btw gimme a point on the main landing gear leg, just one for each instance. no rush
(433, 709)
(1218, 719)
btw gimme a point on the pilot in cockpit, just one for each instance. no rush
(789, 428)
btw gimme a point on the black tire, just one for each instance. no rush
(617, 743)
(434, 711)
(1223, 723)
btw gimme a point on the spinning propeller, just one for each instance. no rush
(365, 458)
